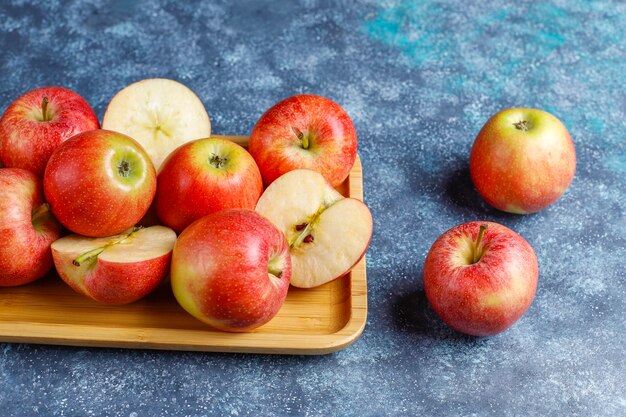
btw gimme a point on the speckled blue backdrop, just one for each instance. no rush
(419, 79)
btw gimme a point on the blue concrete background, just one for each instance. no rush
(419, 80)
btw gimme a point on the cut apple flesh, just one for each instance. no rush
(131, 246)
(160, 114)
(327, 233)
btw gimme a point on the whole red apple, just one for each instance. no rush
(205, 176)
(99, 183)
(117, 269)
(231, 270)
(522, 160)
(36, 123)
(304, 131)
(480, 277)
(27, 228)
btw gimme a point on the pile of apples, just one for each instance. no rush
(152, 195)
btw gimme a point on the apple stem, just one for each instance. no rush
(477, 253)
(97, 251)
(304, 139)
(44, 109)
(522, 125)
(41, 211)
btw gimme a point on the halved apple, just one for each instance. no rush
(118, 269)
(327, 233)
(160, 114)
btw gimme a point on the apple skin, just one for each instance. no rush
(27, 228)
(522, 171)
(277, 148)
(99, 183)
(190, 186)
(486, 297)
(220, 270)
(111, 282)
(27, 141)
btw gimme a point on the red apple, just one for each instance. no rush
(304, 131)
(480, 277)
(117, 269)
(522, 160)
(231, 270)
(27, 228)
(205, 176)
(99, 183)
(36, 123)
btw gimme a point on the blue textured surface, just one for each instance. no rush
(419, 80)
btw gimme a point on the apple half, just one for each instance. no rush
(158, 113)
(327, 233)
(118, 269)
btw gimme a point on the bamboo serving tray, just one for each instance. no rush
(311, 322)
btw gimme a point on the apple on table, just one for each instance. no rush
(160, 114)
(522, 160)
(117, 269)
(27, 228)
(231, 269)
(99, 183)
(36, 123)
(327, 233)
(205, 176)
(304, 131)
(480, 277)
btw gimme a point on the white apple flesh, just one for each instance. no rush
(118, 269)
(160, 114)
(327, 233)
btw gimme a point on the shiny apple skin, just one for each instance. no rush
(189, 187)
(522, 171)
(220, 270)
(25, 251)
(87, 193)
(489, 296)
(275, 145)
(27, 142)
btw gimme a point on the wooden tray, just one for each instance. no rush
(311, 322)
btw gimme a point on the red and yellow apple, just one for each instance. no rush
(304, 131)
(480, 277)
(27, 228)
(522, 160)
(327, 233)
(231, 270)
(205, 176)
(36, 123)
(99, 183)
(117, 269)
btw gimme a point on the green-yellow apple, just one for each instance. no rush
(158, 113)
(327, 233)
(522, 160)
(304, 131)
(116, 269)
(205, 176)
(27, 228)
(480, 277)
(37, 122)
(99, 183)
(231, 270)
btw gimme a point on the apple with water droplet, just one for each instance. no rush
(99, 183)
(36, 123)
(480, 277)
